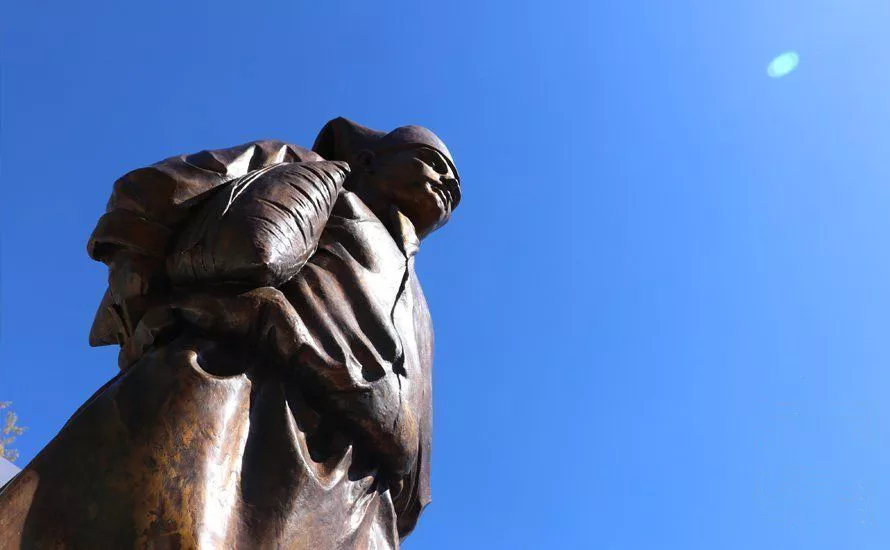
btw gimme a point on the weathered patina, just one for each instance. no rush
(276, 354)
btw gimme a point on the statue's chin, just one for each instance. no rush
(423, 231)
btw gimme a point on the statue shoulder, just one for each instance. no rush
(156, 191)
(350, 207)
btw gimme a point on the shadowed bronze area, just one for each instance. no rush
(276, 354)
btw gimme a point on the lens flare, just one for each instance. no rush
(783, 65)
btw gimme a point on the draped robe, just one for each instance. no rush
(292, 417)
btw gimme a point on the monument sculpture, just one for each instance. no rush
(275, 354)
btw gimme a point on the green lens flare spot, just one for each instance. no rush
(783, 65)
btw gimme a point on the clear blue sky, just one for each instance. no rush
(663, 307)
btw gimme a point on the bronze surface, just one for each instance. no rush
(276, 354)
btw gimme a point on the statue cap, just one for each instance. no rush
(342, 139)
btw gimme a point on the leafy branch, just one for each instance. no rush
(8, 433)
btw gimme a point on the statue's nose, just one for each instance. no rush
(453, 186)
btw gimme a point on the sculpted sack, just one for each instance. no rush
(259, 229)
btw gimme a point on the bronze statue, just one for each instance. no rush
(275, 356)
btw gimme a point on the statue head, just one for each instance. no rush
(409, 168)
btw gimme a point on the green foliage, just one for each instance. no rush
(8, 433)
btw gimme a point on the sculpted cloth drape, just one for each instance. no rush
(260, 411)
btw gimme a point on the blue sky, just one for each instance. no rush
(662, 308)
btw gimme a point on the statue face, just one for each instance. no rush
(420, 182)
